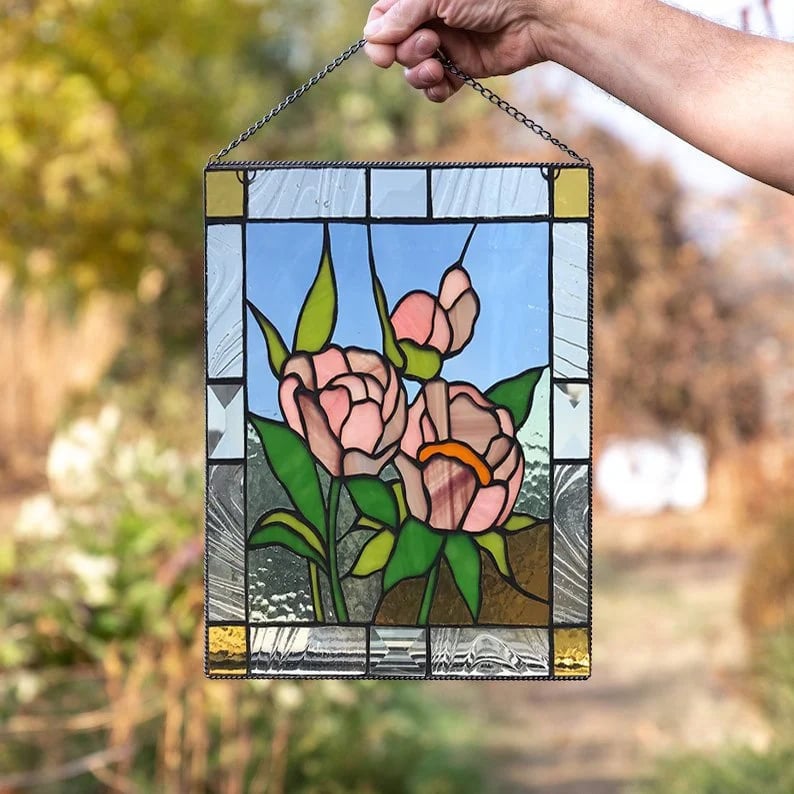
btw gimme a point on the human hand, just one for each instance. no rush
(482, 37)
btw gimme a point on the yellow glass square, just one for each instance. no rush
(227, 650)
(571, 652)
(572, 193)
(224, 191)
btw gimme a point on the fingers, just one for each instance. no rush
(396, 38)
(395, 20)
(427, 74)
(443, 90)
(430, 77)
(382, 55)
(418, 47)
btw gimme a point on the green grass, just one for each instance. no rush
(732, 771)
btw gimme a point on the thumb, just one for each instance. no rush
(397, 19)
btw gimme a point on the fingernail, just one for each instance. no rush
(372, 27)
(436, 94)
(425, 46)
(426, 73)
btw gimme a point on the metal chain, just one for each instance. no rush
(287, 101)
(511, 111)
(490, 95)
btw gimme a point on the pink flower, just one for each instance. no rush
(459, 459)
(446, 322)
(349, 406)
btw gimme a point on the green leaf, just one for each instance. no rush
(464, 562)
(390, 347)
(374, 555)
(296, 524)
(519, 521)
(374, 499)
(277, 353)
(281, 535)
(495, 545)
(318, 315)
(516, 394)
(422, 363)
(368, 523)
(399, 495)
(294, 467)
(414, 553)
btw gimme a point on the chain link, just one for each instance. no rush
(511, 111)
(288, 100)
(490, 95)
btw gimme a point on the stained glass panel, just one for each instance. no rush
(398, 420)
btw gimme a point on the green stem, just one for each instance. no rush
(427, 596)
(333, 570)
(317, 599)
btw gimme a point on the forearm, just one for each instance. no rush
(727, 93)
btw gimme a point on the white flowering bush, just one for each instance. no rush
(110, 550)
(102, 617)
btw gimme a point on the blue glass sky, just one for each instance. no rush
(507, 263)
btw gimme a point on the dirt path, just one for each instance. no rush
(668, 658)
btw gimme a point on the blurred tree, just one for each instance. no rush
(755, 260)
(101, 669)
(109, 110)
(669, 346)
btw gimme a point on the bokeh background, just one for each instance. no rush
(108, 112)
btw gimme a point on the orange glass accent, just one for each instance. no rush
(458, 451)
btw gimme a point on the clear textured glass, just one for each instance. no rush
(489, 192)
(316, 650)
(571, 286)
(397, 652)
(382, 436)
(535, 438)
(225, 543)
(571, 543)
(277, 580)
(492, 652)
(398, 193)
(225, 421)
(306, 193)
(571, 420)
(224, 301)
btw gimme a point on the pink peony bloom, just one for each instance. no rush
(446, 322)
(349, 405)
(459, 459)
